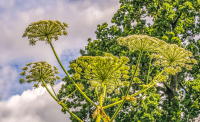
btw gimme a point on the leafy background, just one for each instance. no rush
(174, 22)
(22, 102)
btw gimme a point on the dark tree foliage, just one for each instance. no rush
(171, 18)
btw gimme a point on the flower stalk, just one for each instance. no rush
(149, 70)
(70, 77)
(61, 103)
(69, 95)
(122, 103)
(100, 101)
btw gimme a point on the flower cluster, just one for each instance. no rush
(174, 56)
(108, 69)
(169, 55)
(39, 70)
(141, 43)
(44, 30)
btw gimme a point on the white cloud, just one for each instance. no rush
(35, 105)
(7, 79)
(7, 3)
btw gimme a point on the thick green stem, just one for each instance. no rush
(104, 95)
(108, 106)
(100, 101)
(69, 95)
(118, 109)
(148, 86)
(60, 103)
(48, 90)
(51, 86)
(148, 72)
(70, 77)
(53, 89)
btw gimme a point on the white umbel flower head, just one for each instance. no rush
(98, 69)
(37, 71)
(44, 30)
(141, 43)
(174, 56)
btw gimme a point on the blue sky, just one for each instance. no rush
(22, 103)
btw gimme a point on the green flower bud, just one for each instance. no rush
(22, 80)
(117, 91)
(73, 65)
(137, 80)
(126, 77)
(126, 83)
(94, 84)
(58, 77)
(29, 80)
(76, 76)
(22, 73)
(55, 68)
(56, 72)
(28, 64)
(25, 68)
(28, 76)
(80, 85)
(78, 69)
(36, 85)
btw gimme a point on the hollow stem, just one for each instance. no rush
(71, 78)
(52, 87)
(118, 109)
(100, 102)
(60, 103)
(69, 95)
(48, 90)
(108, 106)
(148, 71)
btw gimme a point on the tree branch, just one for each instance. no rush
(175, 22)
(168, 87)
(160, 88)
(178, 78)
(182, 86)
(187, 22)
(144, 16)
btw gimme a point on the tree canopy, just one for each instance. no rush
(174, 22)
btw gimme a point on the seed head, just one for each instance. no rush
(174, 56)
(37, 71)
(44, 30)
(141, 42)
(100, 69)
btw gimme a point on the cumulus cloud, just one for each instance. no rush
(34, 105)
(7, 79)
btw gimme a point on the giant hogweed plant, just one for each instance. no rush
(107, 73)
